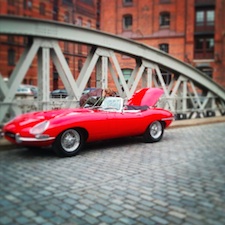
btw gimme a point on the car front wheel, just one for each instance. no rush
(154, 132)
(68, 143)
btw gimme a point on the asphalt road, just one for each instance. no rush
(180, 180)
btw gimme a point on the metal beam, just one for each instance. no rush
(43, 78)
(64, 72)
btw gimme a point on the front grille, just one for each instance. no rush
(10, 134)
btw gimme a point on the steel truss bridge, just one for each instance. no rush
(189, 94)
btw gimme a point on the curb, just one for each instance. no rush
(6, 145)
(197, 122)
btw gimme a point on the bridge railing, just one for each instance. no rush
(208, 107)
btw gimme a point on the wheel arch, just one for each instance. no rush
(163, 123)
(83, 131)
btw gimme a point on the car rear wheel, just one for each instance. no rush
(68, 143)
(154, 132)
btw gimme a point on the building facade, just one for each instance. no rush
(77, 12)
(191, 30)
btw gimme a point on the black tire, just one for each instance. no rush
(69, 142)
(154, 132)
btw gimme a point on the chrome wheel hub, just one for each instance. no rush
(156, 129)
(70, 140)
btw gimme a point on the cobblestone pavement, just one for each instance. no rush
(180, 180)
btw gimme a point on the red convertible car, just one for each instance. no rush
(67, 130)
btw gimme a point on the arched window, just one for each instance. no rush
(127, 22)
(164, 19)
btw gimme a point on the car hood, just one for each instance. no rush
(146, 96)
(31, 119)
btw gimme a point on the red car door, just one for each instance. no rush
(125, 123)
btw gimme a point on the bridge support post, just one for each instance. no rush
(43, 78)
(104, 80)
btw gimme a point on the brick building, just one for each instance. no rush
(78, 12)
(190, 30)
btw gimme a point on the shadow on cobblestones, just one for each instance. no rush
(38, 152)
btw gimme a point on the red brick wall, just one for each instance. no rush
(179, 35)
(81, 10)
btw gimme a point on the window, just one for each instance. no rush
(127, 2)
(27, 4)
(10, 12)
(164, 19)
(67, 17)
(79, 21)
(11, 2)
(66, 46)
(205, 17)
(204, 47)
(127, 22)
(88, 24)
(11, 57)
(68, 2)
(164, 1)
(25, 40)
(166, 75)
(11, 39)
(206, 69)
(199, 17)
(80, 64)
(79, 49)
(42, 9)
(55, 12)
(55, 79)
(68, 61)
(127, 74)
(164, 47)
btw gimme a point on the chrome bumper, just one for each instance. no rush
(40, 138)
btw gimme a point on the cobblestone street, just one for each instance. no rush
(180, 180)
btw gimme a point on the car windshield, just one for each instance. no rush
(112, 103)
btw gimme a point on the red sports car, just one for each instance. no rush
(67, 130)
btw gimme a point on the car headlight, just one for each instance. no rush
(39, 128)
